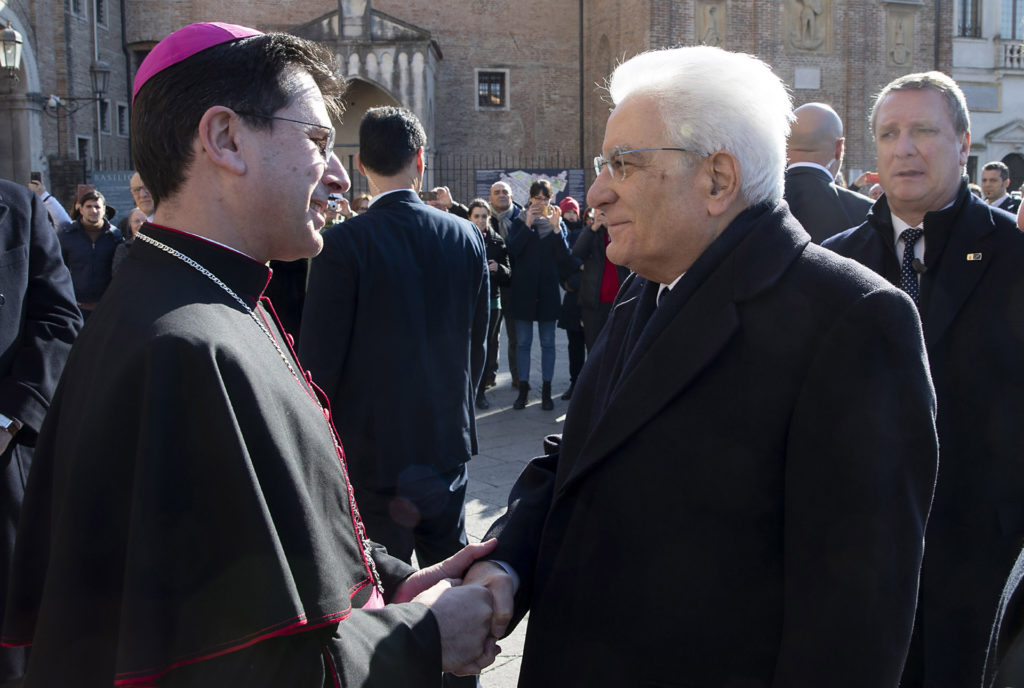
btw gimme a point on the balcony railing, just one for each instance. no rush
(1011, 55)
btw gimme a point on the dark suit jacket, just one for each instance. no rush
(1010, 205)
(972, 308)
(823, 207)
(394, 330)
(1004, 660)
(730, 505)
(38, 322)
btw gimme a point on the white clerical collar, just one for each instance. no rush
(813, 165)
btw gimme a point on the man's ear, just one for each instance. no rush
(965, 148)
(222, 139)
(723, 181)
(359, 165)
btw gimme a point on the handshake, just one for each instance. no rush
(472, 607)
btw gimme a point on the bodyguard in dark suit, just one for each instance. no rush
(815, 153)
(964, 269)
(995, 183)
(38, 322)
(730, 504)
(393, 330)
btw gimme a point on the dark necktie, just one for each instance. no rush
(908, 276)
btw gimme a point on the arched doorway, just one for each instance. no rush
(360, 97)
(1015, 161)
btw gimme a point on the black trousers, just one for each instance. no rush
(425, 515)
(493, 348)
(577, 352)
(510, 332)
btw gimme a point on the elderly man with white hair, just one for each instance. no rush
(740, 494)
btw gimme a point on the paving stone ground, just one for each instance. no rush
(508, 439)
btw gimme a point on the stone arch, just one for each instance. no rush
(360, 96)
(21, 134)
(1015, 161)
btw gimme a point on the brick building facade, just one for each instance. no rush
(518, 78)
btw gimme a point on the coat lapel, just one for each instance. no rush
(968, 254)
(683, 337)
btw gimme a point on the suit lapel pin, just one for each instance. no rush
(973, 256)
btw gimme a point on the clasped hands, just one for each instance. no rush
(472, 607)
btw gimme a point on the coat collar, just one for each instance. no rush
(958, 251)
(746, 259)
(395, 197)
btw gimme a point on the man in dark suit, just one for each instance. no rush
(730, 503)
(394, 330)
(38, 322)
(961, 261)
(815, 153)
(995, 184)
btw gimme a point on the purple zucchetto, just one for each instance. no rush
(184, 43)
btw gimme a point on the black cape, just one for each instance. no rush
(189, 498)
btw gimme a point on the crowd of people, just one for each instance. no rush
(792, 454)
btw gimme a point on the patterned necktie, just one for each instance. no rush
(908, 277)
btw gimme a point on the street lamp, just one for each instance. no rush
(59, 106)
(10, 55)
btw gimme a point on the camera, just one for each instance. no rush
(428, 195)
(332, 205)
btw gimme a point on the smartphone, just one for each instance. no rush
(548, 210)
(872, 178)
(35, 176)
(428, 195)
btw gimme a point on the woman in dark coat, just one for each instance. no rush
(538, 248)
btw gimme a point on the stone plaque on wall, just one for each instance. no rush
(709, 27)
(899, 37)
(808, 26)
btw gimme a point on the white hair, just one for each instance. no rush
(714, 100)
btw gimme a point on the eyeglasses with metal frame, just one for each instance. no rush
(618, 166)
(326, 146)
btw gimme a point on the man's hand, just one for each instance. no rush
(492, 265)
(5, 441)
(452, 567)
(444, 198)
(344, 209)
(463, 614)
(493, 577)
(38, 187)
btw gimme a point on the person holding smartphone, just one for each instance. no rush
(537, 245)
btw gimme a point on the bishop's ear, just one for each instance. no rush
(223, 138)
